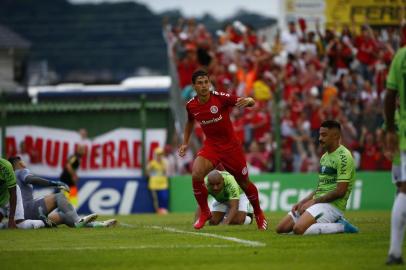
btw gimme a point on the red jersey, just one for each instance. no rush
(214, 118)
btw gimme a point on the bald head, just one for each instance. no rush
(215, 181)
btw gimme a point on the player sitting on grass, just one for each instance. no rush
(321, 212)
(54, 206)
(11, 203)
(230, 205)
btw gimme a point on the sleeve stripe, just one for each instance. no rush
(343, 180)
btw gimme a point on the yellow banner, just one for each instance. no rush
(373, 12)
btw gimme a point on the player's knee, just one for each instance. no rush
(198, 175)
(281, 228)
(243, 183)
(298, 230)
(214, 222)
(238, 220)
(58, 198)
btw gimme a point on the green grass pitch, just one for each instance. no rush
(164, 242)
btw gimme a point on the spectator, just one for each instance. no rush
(322, 76)
(69, 174)
(158, 181)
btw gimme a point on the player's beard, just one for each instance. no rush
(323, 145)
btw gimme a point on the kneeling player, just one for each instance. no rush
(321, 212)
(54, 206)
(230, 205)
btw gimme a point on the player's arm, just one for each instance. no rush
(243, 102)
(392, 84)
(345, 171)
(391, 139)
(338, 193)
(72, 172)
(232, 211)
(186, 136)
(70, 169)
(390, 107)
(12, 202)
(38, 181)
(298, 205)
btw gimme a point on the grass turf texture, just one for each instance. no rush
(142, 246)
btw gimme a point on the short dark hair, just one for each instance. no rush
(14, 159)
(331, 124)
(198, 73)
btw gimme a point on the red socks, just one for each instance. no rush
(252, 195)
(201, 193)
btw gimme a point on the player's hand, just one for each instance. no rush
(12, 223)
(306, 205)
(245, 102)
(182, 150)
(296, 207)
(63, 186)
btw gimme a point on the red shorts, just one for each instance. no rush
(232, 159)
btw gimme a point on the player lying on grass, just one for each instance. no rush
(11, 204)
(54, 206)
(321, 212)
(230, 205)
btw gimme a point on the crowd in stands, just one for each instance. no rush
(313, 76)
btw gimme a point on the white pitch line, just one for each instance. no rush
(211, 235)
(126, 225)
(187, 246)
(233, 239)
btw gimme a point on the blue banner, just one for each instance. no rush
(110, 196)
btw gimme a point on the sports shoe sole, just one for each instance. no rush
(86, 219)
(110, 223)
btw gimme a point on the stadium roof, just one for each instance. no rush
(10, 39)
(133, 85)
(93, 106)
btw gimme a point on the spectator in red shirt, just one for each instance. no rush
(256, 158)
(369, 156)
(186, 66)
(340, 56)
(367, 48)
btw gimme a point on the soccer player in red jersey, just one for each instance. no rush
(212, 110)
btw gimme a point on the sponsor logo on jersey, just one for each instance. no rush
(214, 120)
(244, 171)
(214, 109)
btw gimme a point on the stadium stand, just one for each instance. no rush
(318, 75)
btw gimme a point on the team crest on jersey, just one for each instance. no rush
(244, 171)
(214, 109)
